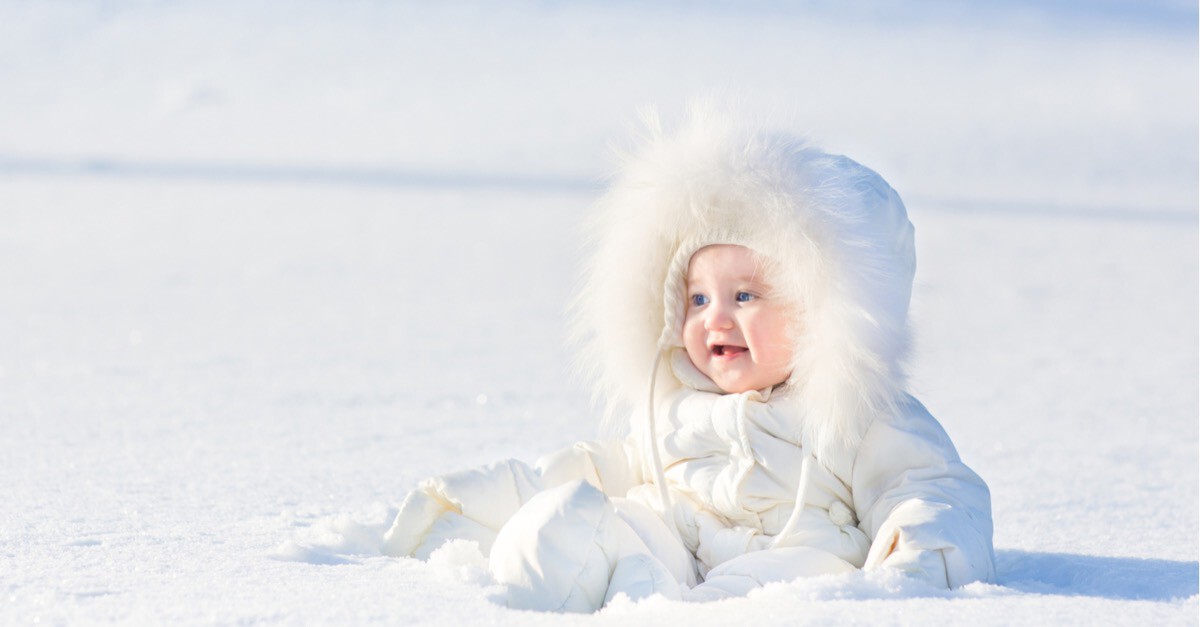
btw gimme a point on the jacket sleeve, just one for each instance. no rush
(475, 504)
(926, 512)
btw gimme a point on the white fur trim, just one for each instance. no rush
(837, 234)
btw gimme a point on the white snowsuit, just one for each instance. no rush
(713, 494)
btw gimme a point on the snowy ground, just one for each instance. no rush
(262, 269)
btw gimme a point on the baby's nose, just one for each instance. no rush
(718, 320)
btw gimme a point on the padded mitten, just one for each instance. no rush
(895, 549)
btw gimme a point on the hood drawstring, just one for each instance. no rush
(674, 287)
(660, 477)
(798, 509)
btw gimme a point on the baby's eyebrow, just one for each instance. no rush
(752, 279)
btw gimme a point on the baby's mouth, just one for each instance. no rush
(726, 350)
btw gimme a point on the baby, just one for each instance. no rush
(773, 280)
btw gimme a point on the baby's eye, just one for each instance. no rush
(699, 300)
(744, 297)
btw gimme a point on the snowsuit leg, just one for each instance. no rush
(569, 549)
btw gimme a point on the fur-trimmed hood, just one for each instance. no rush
(837, 237)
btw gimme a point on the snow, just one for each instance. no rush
(264, 267)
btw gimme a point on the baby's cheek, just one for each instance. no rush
(694, 347)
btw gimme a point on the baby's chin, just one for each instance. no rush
(745, 384)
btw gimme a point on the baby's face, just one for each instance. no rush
(735, 330)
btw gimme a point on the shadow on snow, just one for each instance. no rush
(1125, 578)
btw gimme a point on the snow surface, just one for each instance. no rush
(263, 268)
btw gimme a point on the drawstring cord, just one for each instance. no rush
(660, 477)
(798, 509)
(670, 514)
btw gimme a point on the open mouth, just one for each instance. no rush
(727, 350)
